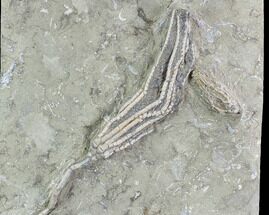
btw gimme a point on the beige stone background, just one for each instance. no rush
(66, 63)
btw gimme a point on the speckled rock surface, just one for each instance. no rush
(64, 64)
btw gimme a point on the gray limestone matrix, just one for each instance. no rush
(160, 96)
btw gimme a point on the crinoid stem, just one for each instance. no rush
(62, 188)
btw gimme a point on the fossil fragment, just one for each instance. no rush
(215, 94)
